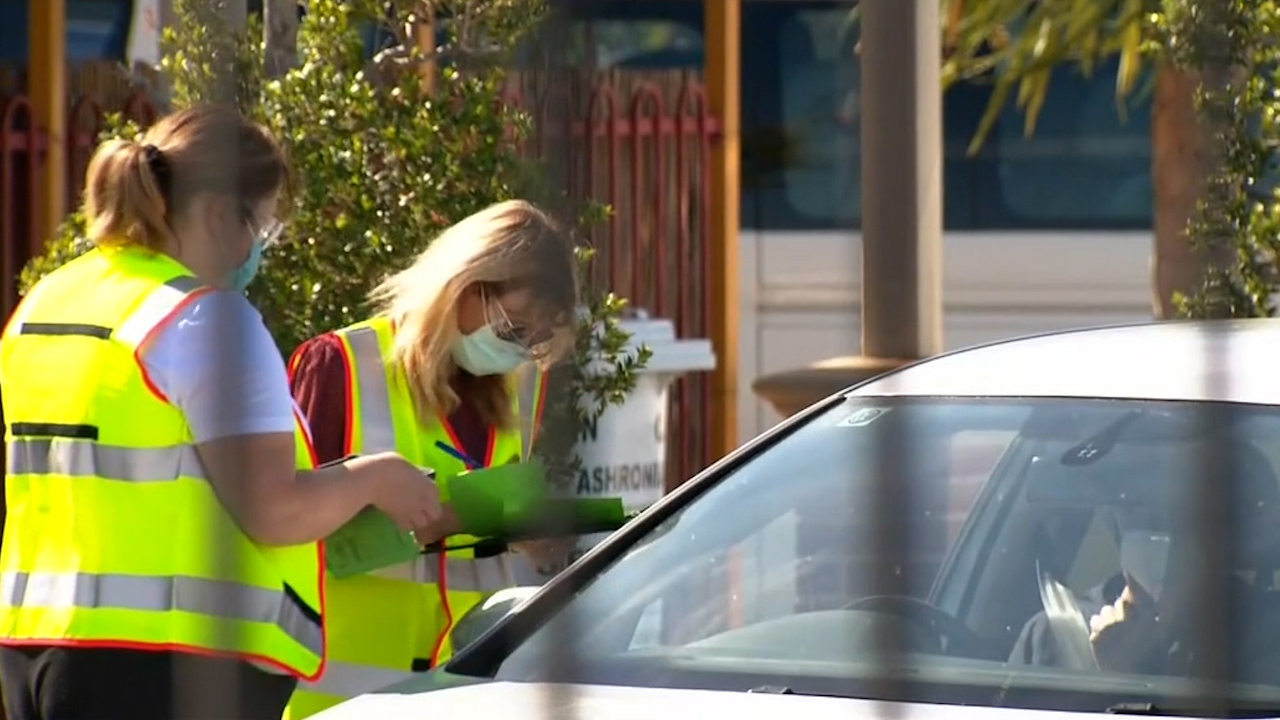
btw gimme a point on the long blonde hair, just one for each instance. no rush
(509, 246)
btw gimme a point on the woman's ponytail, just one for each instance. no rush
(135, 191)
(125, 198)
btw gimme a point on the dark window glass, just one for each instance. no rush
(96, 30)
(1087, 166)
(1022, 523)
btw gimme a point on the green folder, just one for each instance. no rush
(481, 498)
(508, 502)
(487, 499)
(568, 516)
(513, 501)
(369, 541)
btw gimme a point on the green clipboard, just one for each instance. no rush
(513, 501)
(483, 499)
(367, 542)
(487, 499)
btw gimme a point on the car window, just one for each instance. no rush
(776, 573)
(1096, 560)
(973, 455)
(761, 576)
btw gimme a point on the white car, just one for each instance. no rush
(1080, 523)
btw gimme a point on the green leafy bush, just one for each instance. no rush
(383, 164)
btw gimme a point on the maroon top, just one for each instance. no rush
(318, 378)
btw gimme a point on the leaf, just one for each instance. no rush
(1036, 90)
(1130, 50)
(1022, 42)
(989, 116)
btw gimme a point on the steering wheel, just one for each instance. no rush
(954, 637)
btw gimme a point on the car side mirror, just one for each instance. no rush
(482, 617)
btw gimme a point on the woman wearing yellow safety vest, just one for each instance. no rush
(160, 554)
(445, 368)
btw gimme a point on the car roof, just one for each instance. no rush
(1196, 360)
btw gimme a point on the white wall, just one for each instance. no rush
(801, 294)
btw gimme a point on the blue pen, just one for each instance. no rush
(458, 455)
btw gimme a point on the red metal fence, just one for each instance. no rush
(640, 143)
(20, 170)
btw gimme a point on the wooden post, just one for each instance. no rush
(723, 21)
(424, 32)
(280, 36)
(901, 142)
(901, 179)
(47, 88)
(236, 14)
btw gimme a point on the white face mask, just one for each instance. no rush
(484, 353)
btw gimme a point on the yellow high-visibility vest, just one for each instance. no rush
(114, 535)
(387, 625)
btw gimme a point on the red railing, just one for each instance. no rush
(640, 144)
(20, 170)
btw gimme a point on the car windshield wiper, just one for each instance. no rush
(1154, 710)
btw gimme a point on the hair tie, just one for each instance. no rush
(158, 165)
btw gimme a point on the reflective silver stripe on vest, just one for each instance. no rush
(347, 680)
(377, 428)
(212, 598)
(377, 431)
(157, 306)
(482, 575)
(85, 458)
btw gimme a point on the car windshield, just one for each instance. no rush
(1042, 553)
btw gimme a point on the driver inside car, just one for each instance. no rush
(1143, 619)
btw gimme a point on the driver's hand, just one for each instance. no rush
(1124, 632)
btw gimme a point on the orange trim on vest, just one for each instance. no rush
(348, 392)
(443, 585)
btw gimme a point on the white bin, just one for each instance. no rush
(624, 454)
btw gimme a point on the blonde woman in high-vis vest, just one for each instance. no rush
(453, 357)
(160, 556)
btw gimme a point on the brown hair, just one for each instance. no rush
(134, 188)
(506, 247)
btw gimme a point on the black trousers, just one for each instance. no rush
(48, 683)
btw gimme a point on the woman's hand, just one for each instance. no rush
(405, 493)
(447, 525)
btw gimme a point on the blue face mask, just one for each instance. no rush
(484, 353)
(240, 277)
